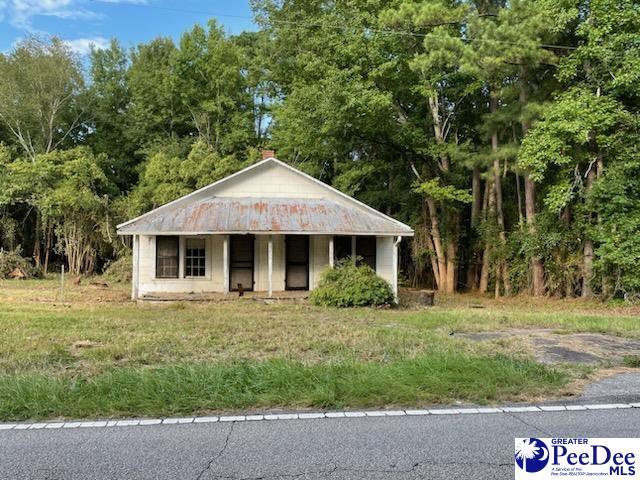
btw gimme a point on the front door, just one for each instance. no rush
(297, 253)
(241, 264)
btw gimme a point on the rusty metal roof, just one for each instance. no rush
(264, 215)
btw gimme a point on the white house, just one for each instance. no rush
(266, 228)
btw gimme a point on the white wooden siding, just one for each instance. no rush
(384, 258)
(215, 280)
(272, 181)
(319, 258)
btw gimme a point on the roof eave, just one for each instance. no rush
(266, 232)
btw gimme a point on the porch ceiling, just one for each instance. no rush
(264, 215)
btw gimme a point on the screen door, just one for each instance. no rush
(297, 274)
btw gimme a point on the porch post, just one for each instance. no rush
(331, 260)
(225, 263)
(136, 267)
(395, 268)
(353, 248)
(270, 268)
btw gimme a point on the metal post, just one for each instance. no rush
(225, 263)
(353, 248)
(270, 258)
(136, 267)
(331, 254)
(395, 268)
(62, 284)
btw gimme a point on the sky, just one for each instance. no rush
(85, 22)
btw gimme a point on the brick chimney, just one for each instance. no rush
(268, 154)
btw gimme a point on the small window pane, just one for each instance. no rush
(167, 257)
(195, 258)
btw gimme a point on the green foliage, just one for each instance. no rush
(110, 94)
(70, 192)
(42, 100)
(415, 108)
(562, 137)
(348, 285)
(175, 169)
(119, 270)
(616, 201)
(433, 189)
(12, 259)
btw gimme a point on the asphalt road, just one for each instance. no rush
(478, 446)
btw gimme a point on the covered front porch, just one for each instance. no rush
(166, 266)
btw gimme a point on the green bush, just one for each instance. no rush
(12, 259)
(349, 286)
(119, 270)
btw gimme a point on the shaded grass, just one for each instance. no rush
(199, 388)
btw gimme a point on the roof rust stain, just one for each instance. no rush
(234, 214)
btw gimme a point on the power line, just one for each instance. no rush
(317, 25)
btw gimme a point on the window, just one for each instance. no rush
(195, 258)
(366, 251)
(167, 255)
(341, 248)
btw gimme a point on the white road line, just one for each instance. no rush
(312, 415)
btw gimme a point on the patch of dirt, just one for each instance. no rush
(550, 347)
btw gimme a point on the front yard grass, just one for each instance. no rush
(100, 355)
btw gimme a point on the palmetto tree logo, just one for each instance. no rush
(532, 454)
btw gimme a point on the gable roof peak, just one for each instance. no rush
(275, 161)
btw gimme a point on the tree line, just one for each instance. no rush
(505, 133)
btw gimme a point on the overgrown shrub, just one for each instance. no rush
(347, 285)
(12, 259)
(119, 270)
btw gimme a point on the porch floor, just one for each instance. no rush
(288, 296)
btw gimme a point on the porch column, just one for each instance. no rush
(270, 263)
(394, 284)
(331, 259)
(136, 267)
(353, 248)
(225, 263)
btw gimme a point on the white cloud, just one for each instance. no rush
(82, 46)
(20, 12)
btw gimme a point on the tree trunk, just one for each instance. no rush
(445, 252)
(587, 266)
(476, 206)
(450, 286)
(595, 171)
(519, 197)
(537, 269)
(497, 188)
(47, 250)
(36, 241)
(486, 255)
(441, 278)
